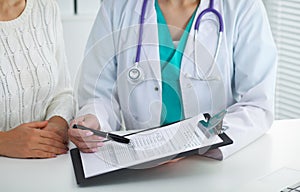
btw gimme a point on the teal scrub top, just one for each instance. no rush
(170, 60)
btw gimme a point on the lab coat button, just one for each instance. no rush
(156, 88)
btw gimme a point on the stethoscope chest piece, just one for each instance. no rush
(135, 74)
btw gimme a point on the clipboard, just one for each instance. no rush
(82, 180)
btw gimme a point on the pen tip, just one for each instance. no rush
(74, 126)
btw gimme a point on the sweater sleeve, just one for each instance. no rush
(62, 103)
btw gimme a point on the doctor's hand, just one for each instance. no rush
(29, 140)
(85, 140)
(172, 161)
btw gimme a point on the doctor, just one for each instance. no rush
(153, 62)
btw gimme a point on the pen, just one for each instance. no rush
(109, 136)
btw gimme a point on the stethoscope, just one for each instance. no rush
(135, 73)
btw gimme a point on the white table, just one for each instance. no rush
(279, 148)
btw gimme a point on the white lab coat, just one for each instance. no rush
(246, 66)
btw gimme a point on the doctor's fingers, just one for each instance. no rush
(83, 136)
(89, 121)
(76, 121)
(85, 140)
(87, 146)
(78, 133)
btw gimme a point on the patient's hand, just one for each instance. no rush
(29, 140)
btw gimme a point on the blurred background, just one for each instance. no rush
(284, 16)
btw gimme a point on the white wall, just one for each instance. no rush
(84, 7)
(284, 18)
(77, 28)
(76, 32)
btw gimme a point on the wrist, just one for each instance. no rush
(59, 121)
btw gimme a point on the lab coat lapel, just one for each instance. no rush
(150, 44)
(205, 36)
(204, 4)
(188, 62)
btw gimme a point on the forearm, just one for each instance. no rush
(246, 124)
(62, 105)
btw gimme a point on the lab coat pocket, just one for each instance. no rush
(202, 96)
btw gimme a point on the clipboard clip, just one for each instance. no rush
(213, 125)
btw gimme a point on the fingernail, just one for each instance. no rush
(99, 144)
(100, 138)
(95, 150)
(89, 133)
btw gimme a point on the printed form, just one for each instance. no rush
(146, 146)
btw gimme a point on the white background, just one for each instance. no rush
(77, 28)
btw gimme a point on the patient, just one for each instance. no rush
(36, 99)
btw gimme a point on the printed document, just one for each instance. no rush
(146, 146)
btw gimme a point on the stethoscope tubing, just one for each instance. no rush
(210, 9)
(142, 21)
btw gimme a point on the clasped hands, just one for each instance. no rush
(44, 139)
(47, 139)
